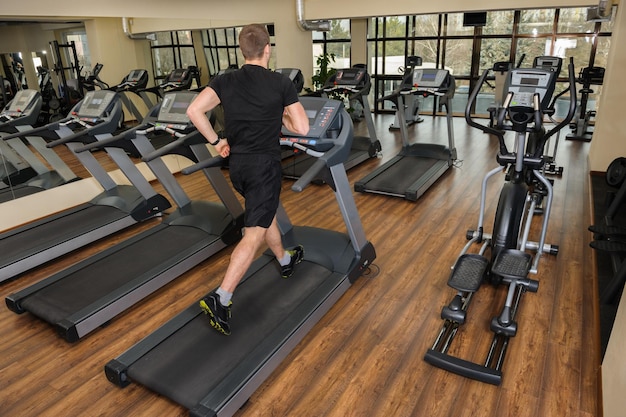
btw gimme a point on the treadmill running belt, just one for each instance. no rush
(188, 366)
(400, 176)
(11, 193)
(88, 218)
(80, 288)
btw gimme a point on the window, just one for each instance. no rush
(221, 49)
(79, 37)
(443, 42)
(336, 41)
(170, 51)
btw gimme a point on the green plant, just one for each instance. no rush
(324, 72)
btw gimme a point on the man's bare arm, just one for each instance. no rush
(295, 119)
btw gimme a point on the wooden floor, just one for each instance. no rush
(365, 357)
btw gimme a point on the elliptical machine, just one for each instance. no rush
(512, 255)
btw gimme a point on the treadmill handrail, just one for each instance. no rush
(87, 132)
(127, 135)
(216, 161)
(182, 138)
(422, 90)
(32, 132)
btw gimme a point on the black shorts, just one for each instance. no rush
(258, 178)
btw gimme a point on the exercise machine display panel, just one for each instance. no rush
(429, 77)
(174, 107)
(137, 76)
(324, 124)
(350, 76)
(524, 83)
(23, 100)
(95, 104)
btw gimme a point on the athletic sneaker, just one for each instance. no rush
(297, 254)
(219, 314)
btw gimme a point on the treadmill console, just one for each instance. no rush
(96, 105)
(350, 76)
(22, 104)
(524, 83)
(324, 123)
(295, 75)
(173, 111)
(137, 77)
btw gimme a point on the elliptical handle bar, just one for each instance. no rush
(471, 100)
(487, 129)
(571, 111)
(538, 113)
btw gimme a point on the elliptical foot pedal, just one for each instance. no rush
(512, 263)
(608, 231)
(608, 246)
(468, 273)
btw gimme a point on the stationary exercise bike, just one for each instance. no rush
(609, 235)
(512, 255)
(581, 126)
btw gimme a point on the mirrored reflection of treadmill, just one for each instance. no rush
(295, 75)
(135, 82)
(22, 171)
(417, 166)
(211, 374)
(178, 80)
(92, 292)
(115, 208)
(19, 113)
(354, 82)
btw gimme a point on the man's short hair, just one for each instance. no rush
(252, 40)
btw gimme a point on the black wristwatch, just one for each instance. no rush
(216, 142)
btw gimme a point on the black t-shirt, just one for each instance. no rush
(253, 99)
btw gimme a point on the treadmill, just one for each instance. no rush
(178, 80)
(189, 362)
(116, 207)
(88, 294)
(135, 82)
(417, 166)
(356, 84)
(22, 171)
(21, 112)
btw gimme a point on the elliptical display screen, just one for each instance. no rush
(524, 83)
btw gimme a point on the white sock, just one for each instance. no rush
(225, 296)
(285, 259)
